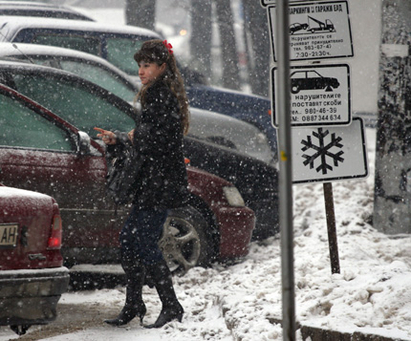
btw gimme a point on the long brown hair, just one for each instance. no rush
(156, 51)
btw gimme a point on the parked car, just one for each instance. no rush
(118, 43)
(40, 9)
(205, 125)
(86, 105)
(42, 152)
(32, 277)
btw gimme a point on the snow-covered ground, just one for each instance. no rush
(372, 294)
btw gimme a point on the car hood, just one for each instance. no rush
(230, 132)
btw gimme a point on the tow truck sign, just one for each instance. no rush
(318, 30)
(320, 95)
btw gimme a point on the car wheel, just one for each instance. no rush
(184, 242)
(295, 89)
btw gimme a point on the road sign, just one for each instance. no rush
(324, 154)
(318, 30)
(320, 95)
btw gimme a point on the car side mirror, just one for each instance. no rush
(84, 143)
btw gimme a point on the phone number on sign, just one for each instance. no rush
(331, 110)
(322, 118)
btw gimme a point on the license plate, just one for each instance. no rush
(8, 235)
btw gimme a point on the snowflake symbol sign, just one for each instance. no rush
(322, 151)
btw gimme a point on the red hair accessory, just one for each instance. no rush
(169, 47)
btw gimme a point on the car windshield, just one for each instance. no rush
(72, 41)
(21, 127)
(120, 52)
(92, 72)
(102, 77)
(74, 103)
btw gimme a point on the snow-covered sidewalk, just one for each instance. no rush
(243, 302)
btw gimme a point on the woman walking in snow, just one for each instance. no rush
(161, 181)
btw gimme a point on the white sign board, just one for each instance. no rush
(318, 30)
(320, 95)
(324, 154)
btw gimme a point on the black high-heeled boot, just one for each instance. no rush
(172, 309)
(134, 306)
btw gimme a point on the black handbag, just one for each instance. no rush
(122, 173)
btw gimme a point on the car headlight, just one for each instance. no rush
(233, 196)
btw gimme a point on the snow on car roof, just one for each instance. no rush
(41, 9)
(34, 5)
(14, 4)
(8, 49)
(15, 23)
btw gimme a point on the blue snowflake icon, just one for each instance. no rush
(322, 151)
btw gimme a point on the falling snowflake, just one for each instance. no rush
(322, 151)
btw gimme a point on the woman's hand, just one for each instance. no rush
(107, 136)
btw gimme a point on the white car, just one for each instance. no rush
(40, 9)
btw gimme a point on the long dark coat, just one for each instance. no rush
(158, 139)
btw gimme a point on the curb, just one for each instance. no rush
(318, 334)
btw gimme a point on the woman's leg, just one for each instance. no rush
(135, 274)
(153, 222)
(150, 229)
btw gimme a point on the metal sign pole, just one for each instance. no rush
(332, 231)
(285, 185)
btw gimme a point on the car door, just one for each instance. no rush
(41, 155)
(73, 99)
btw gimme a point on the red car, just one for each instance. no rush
(42, 152)
(32, 277)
